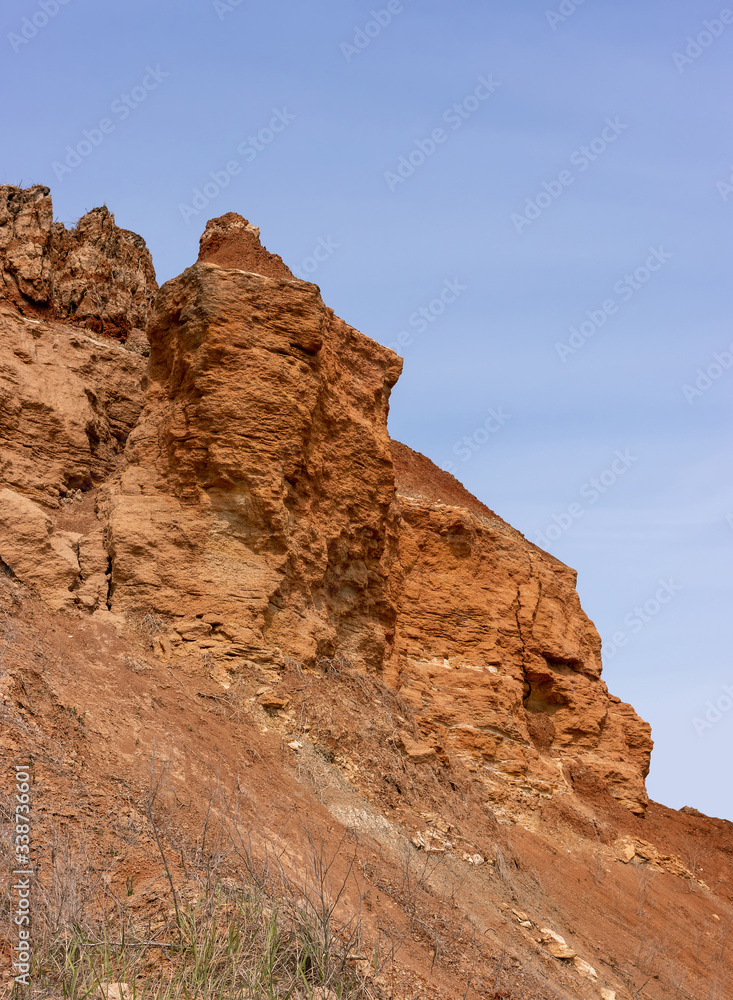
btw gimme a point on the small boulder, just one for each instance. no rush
(192, 629)
(556, 945)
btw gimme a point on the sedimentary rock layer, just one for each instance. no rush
(495, 653)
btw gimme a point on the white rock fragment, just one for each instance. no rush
(584, 969)
(556, 945)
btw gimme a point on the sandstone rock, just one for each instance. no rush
(230, 241)
(67, 405)
(36, 556)
(273, 702)
(193, 629)
(137, 342)
(259, 481)
(642, 852)
(418, 753)
(608, 994)
(93, 570)
(261, 503)
(102, 276)
(627, 852)
(96, 275)
(584, 969)
(430, 843)
(556, 945)
(494, 651)
(26, 220)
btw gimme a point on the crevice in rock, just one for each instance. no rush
(108, 599)
(7, 570)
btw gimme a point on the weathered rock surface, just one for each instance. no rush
(263, 512)
(67, 405)
(496, 655)
(230, 241)
(36, 554)
(259, 482)
(95, 275)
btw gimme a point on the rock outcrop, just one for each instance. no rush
(67, 405)
(231, 241)
(95, 275)
(258, 488)
(495, 654)
(261, 513)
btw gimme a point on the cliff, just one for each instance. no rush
(262, 510)
(96, 275)
(232, 504)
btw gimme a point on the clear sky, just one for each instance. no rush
(535, 197)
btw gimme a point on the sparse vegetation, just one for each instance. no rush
(150, 627)
(242, 924)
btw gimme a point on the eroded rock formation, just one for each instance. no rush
(96, 275)
(263, 451)
(67, 404)
(496, 655)
(261, 512)
(231, 241)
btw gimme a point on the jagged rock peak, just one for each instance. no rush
(233, 242)
(95, 275)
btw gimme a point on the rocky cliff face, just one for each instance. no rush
(67, 404)
(260, 511)
(496, 655)
(95, 275)
(256, 498)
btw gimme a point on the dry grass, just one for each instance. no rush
(240, 922)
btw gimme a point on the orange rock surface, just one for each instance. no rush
(262, 511)
(495, 653)
(216, 569)
(96, 275)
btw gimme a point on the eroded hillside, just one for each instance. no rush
(252, 646)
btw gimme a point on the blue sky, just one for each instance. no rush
(316, 107)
